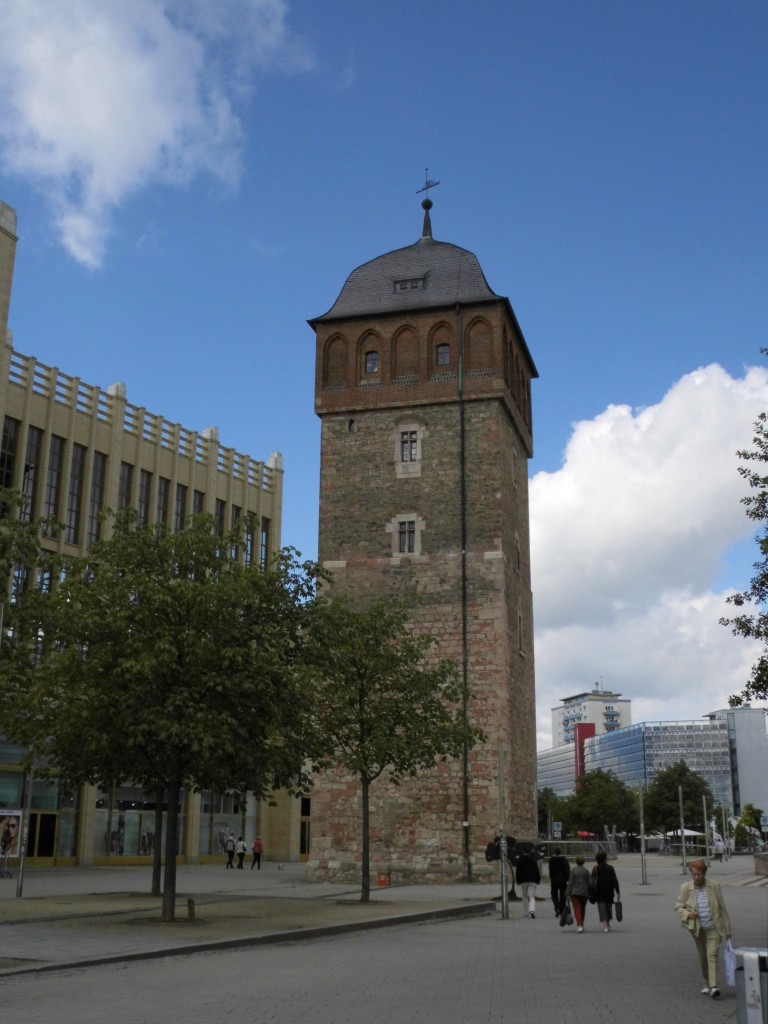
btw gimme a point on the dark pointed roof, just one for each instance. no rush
(424, 275)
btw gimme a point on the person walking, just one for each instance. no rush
(528, 877)
(578, 891)
(559, 873)
(605, 885)
(701, 909)
(229, 847)
(240, 849)
(257, 849)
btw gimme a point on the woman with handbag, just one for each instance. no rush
(605, 885)
(701, 910)
(578, 891)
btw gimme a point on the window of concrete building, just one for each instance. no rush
(249, 540)
(264, 543)
(163, 495)
(75, 495)
(53, 480)
(125, 485)
(218, 515)
(180, 511)
(234, 520)
(29, 480)
(96, 503)
(8, 451)
(371, 361)
(198, 502)
(142, 501)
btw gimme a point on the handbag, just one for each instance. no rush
(566, 917)
(592, 889)
(729, 957)
(618, 910)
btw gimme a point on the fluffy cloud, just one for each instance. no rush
(629, 538)
(101, 99)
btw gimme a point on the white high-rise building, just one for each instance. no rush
(605, 710)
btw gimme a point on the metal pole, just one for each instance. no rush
(706, 827)
(503, 840)
(25, 831)
(682, 827)
(643, 865)
(725, 835)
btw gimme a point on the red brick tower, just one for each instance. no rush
(423, 389)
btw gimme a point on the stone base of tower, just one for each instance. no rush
(417, 833)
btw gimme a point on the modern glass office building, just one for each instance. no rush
(639, 752)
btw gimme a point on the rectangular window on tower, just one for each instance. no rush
(408, 445)
(406, 533)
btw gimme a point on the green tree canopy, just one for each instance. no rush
(752, 623)
(661, 803)
(601, 800)
(381, 705)
(169, 663)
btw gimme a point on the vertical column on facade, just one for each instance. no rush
(275, 465)
(115, 404)
(86, 823)
(191, 838)
(211, 438)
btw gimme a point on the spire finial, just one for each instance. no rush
(426, 204)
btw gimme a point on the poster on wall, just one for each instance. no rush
(10, 833)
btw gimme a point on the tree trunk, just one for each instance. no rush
(365, 893)
(157, 848)
(171, 845)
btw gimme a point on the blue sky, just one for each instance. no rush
(194, 179)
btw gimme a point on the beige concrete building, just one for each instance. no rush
(607, 711)
(74, 450)
(423, 390)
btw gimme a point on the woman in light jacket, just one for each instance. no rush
(701, 910)
(578, 891)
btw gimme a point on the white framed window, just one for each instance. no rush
(406, 530)
(408, 441)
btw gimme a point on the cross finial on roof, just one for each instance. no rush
(427, 183)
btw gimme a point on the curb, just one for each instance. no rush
(323, 931)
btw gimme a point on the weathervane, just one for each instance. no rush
(427, 183)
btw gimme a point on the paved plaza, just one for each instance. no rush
(267, 947)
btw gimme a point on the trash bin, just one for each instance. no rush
(752, 986)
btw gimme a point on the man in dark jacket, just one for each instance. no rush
(559, 873)
(528, 877)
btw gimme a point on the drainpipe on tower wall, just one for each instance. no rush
(464, 643)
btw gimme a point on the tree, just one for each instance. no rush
(169, 663)
(602, 800)
(380, 705)
(662, 803)
(754, 625)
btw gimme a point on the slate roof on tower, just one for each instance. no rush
(424, 275)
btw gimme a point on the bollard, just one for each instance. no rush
(191, 910)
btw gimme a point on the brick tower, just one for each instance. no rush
(423, 390)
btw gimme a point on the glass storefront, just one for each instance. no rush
(124, 822)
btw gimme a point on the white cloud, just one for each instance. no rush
(101, 99)
(628, 540)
